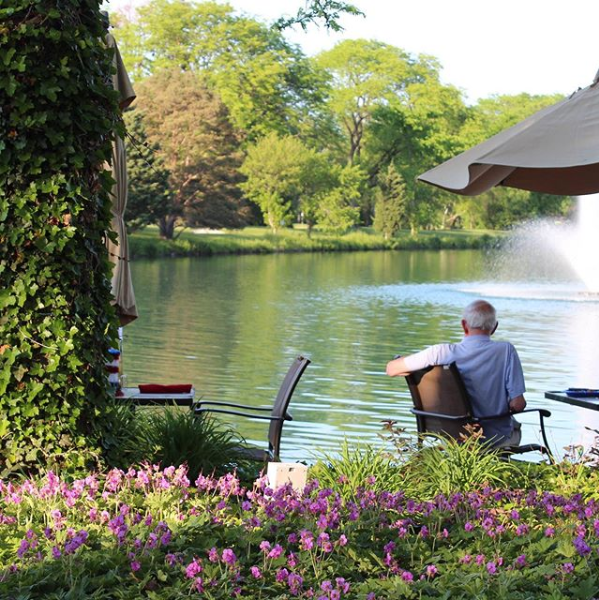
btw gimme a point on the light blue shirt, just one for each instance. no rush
(492, 374)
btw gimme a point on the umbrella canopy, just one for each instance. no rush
(122, 284)
(554, 151)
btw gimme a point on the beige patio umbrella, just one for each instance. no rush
(122, 285)
(554, 151)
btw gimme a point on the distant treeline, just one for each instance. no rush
(235, 126)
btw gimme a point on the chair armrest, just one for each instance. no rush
(426, 413)
(199, 410)
(244, 406)
(542, 411)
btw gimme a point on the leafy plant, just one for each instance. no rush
(445, 465)
(355, 469)
(175, 437)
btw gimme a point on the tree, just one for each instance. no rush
(390, 204)
(317, 177)
(415, 135)
(266, 83)
(149, 198)
(338, 208)
(366, 74)
(198, 146)
(274, 169)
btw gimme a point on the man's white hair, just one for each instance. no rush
(480, 314)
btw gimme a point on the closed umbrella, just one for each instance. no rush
(122, 284)
(554, 151)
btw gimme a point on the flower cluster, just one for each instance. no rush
(150, 527)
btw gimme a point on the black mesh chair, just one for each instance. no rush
(278, 412)
(442, 406)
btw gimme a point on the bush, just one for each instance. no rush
(356, 469)
(173, 436)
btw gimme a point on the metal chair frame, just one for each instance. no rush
(278, 412)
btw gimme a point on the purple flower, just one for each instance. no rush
(256, 573)
(491, 568)
(466, 559)
(193, 568)
(276, 552)
(265, 546)
(342, 541)
(228, 556)
(407, 576)
(468, 526)
(581, 546)
(295, 582)
(567, 567)
(521, 560)
(23, 547)
(282, 575)
(431, 570)
(549, 531)
(326, 586)
(342, 584)
(135, 565)
(213, 555)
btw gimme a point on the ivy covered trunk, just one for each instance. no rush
(57, 117)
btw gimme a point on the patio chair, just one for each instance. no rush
(442, 406)
(278, 412)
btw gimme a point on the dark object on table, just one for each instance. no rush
(277, 417)
(582, 393)
(442, 406)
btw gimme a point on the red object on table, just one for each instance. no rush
(156, 388)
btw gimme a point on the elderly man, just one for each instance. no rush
(491, 371)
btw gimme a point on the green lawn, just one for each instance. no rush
(260, 240)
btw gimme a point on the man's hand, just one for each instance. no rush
(517, 404)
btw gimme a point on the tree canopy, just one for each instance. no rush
(294, 122)
(198, 146)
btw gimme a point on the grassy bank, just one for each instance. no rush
(260, 240)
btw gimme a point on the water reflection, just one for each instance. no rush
(232, 325)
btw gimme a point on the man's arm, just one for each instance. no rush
(518, 404)
(397, 367)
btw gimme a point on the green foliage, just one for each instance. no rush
(389, 208)
(352, 470)
(327, 11)
(149, 198)
(174, 437)
(366, 74)
(338, 209)
(198, 146)
(265, 82)
(56, 121)
(447, 466)
(275, 168)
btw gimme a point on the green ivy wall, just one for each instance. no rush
(57, 115)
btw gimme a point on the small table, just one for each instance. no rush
(133, 395)
(589, 402)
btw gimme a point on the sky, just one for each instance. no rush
(485, 48)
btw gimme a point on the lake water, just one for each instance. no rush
(232, 326)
